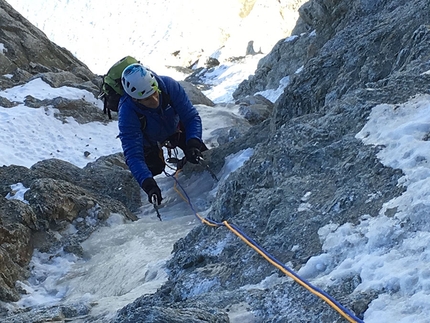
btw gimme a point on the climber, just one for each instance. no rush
(155, 111)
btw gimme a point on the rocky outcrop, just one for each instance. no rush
(195, 95)
(255, 108)
(286, 58)
(16, 223)
(27, 53)
(59, 195)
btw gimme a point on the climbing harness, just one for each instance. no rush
(344, 312)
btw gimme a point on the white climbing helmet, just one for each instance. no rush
(138, 82)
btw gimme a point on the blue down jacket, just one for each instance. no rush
(160, 124)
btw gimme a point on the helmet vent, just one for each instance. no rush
(138, 82)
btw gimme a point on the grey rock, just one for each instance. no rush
(59, 194)
(255, 109)
(195, 95)
(108, 176)
(5, 103)
(285, 59)
(16, 218)
(165, 314)
(28, 48)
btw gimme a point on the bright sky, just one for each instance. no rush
(389, 253)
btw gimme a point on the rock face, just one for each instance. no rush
(28, 52)
(59, 195)
(15, 249)
(344, 58)
(353, 56)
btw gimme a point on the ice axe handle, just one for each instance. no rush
(200, 159)
(155, 204)
(154, 200)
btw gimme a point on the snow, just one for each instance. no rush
(389, 253)
(100, 33)
(18, 191)
(29, 135)
(2, 48)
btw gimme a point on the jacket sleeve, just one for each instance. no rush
(132, 142)
(188, 114)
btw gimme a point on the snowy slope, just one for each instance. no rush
(101, 32)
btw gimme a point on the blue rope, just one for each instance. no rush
(330, 300)
(295, 275)
(191, 204)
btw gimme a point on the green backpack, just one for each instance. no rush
(111, 90)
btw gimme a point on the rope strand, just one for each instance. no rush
(344, 312)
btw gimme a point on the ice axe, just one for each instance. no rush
(200, 160)
(155, 204)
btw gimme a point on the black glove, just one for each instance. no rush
(151, 188)
(192, 152)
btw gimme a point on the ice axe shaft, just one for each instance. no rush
(200, 159)
(155, 204)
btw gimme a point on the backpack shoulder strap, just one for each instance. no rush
(142, 118)
(166, 99)
(106, 109)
